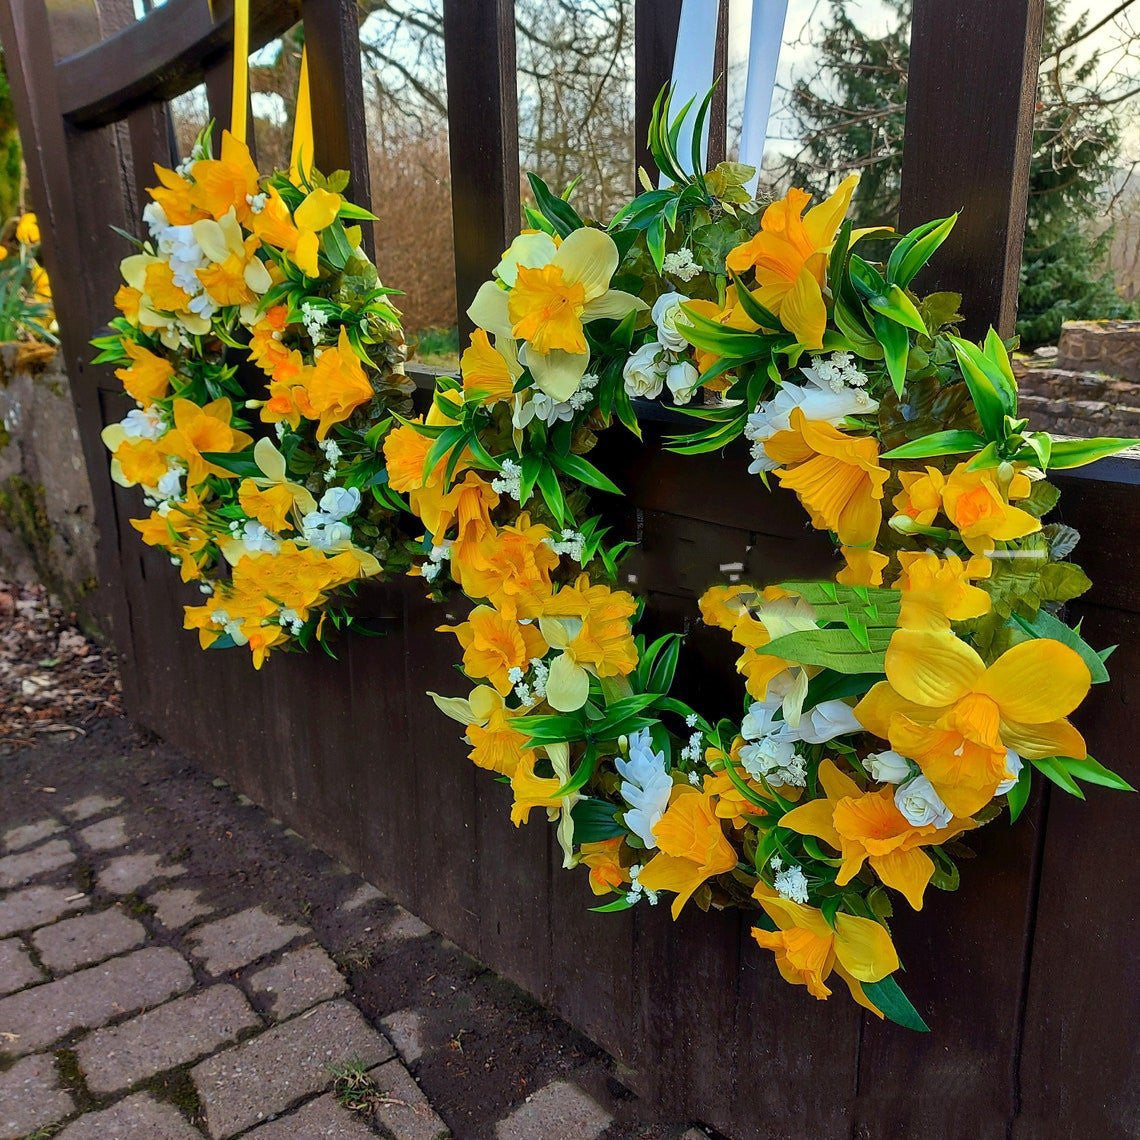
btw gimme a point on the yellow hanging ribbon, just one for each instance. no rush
(301, 156)
(239, 109)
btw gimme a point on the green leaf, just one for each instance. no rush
(752, 308)
(951, 442)
(595, 820)
(552, 492)
(896, 348)
(987, 384)
(837, 649)
(1093, 772)
(561, 215)
(888, 997)
(1018, 796)
(585, 472)
(1044, 624)
(898, 307)
(916, 249)
(1068, 453)
(1056, 772)
(237, 462)
(623, 903)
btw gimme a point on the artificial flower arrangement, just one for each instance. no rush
(253, 296)
(889, 712)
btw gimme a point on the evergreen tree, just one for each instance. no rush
(851, 117)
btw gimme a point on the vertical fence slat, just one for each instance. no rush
(482, 113)
(969, 133)
(655, 24)
(332, 36)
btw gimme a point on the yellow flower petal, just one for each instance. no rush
(319, 209)
(803, 311)
(932, 669)
(588, 257)
(907, 872)
(1037, 681)
(1038, 741)
(568, 685)
(864, 948)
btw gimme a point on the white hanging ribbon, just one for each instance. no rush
(693, 62)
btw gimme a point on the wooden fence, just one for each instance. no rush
(1027, 976)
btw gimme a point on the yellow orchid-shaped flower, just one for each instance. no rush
(590, 625)
(836, 476)
(533, 791)
(809, 949)
(548, 294)
(176, 197)
(692, 847)
(868, 827)
(937, 591)
(148, 377)
(337, 385)
(226, 183)
(496, 744)
(789, 256)
(199, 430)
(956, 718)
(494, 644)
(315, 213)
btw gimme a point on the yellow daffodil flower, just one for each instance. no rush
(226, 183)
(921, 496)
(937, 591)
(176, 197)
(148, 377)
(864, 566)
(789, 256)
(489, 374)
(554, 291)
(493, 645)
(128, 301)
(836, 476)
(158, 297)
(508, 567)
(590, 625)
(532, 791)
(979, 508)
(235, 275)
(134, 461)
(182, 532)
(868, 827)
(956, 718)
(692, 847)
(603, 857)
(808, 949)
(28, 229)
(495, 743)
(297, 233)
(337, 385)
(202, 429)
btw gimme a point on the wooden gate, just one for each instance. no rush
(1028, 976)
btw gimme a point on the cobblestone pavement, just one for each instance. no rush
(174, 964)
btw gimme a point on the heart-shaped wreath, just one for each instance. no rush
(881, 722)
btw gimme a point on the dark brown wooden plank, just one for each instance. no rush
(160, 56)
(655, 24)
(969, 130)
(483, 137)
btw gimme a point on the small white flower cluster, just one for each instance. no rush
(636, 890)
(314, 319)
(291, 620)
(529, 694)
(437, 556)
(681, 264)
(222, 618)
(695, 748)
(509, 480)
(661, 363)
(790, 882)
(834, 391)
(571, 542)
(645, 787)
(331, 450)
(325, 527)
(256, 202)
(548, 411)
(770, 752)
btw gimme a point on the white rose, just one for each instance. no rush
(339, 502)
(643, 374)
(758, 720)
(887, 767)
(1013, 766)
(144, 424)
(666, 311)
(170, 485)
(827, 721)
(682, 380)
(921, 804)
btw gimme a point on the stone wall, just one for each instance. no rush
(1088, 385)
(47, 518)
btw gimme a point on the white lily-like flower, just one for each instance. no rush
(827, 721)
(646, 786)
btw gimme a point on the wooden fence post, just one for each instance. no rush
(483, 134)
(655, 24)
(969, 137)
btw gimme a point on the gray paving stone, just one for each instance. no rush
(176, 907)
(87, 939)
(28, 833)
(35, 906)
(18, 869)
(558, 1109)
(124, 874)
(405, 1031)
(174, 1034)
(89, 998)
(240, 939)
(31, 1097)
(299, 981)
(403, 1110)
(139, 1117)
(363, 895)
(90, 806)
(17, 970)
(695, 1134)
(105, 835)
(403, 926)
(263, 1077)
(319, 1119)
